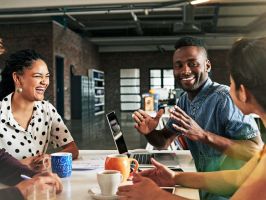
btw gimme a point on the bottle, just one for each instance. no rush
(148, 103)
(171, 94)
(155, 99)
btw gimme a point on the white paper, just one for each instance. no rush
(87, 165)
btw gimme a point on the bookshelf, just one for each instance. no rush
(98, 94)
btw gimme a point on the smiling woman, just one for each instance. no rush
(28, 123)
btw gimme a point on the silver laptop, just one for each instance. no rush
(167, 158)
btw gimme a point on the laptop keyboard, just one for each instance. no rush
(143, 158)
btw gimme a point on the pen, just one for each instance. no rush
(25, 177)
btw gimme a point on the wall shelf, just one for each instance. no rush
(98, 94)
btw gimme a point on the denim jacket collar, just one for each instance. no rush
(203, 92)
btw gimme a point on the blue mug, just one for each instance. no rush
(61, 164)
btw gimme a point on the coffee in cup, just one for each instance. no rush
(121, 163)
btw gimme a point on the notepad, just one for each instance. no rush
(87, 165)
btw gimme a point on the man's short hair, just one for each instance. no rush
(189, 41)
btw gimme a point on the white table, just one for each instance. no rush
(77, 186)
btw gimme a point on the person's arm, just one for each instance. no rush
(72, 148)
(254, 186)
(11, 169)
(234, 125)
(240, 149)
(219, 182)
(11, 193)
(140, 184)
(146, 125)
(161, 139)
(61, 136)
(245, 139)
(41, 181)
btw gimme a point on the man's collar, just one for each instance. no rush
(206, 85)
(204, 89)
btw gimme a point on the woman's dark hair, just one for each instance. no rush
(16, 62)
(247, 64)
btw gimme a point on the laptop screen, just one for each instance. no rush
(116, 132)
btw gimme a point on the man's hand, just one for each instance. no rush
(186, 125)
(145, 123)
(160, 174)
(41, 181)
(143, 188)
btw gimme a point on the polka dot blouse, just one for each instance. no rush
(45, 126)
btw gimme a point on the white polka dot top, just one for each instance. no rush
(45, 126)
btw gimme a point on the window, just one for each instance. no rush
(162, 78)
(129, 89)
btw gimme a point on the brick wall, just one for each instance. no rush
(51, 39)
(77, 52)
(219, 71)
(113, 62)
(29, 36)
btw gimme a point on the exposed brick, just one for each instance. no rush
(51, 39)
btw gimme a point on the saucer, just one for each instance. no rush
(99, 196)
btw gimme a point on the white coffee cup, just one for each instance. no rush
(109, 181)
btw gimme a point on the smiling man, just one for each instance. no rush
(206, 115)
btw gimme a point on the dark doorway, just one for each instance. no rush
(59, 62)
(75, 94)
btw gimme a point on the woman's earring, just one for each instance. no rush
(19, 90)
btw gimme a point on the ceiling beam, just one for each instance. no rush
(82, 11)
(15, 4)
(210, 39)
(111, 27)
(149, 48)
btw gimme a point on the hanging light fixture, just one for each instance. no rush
(198, 1)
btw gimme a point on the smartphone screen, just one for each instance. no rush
(169, 189)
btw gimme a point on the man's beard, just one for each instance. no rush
(188, 88)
